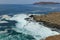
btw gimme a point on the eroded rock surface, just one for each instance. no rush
(51, 19)
(56, 37)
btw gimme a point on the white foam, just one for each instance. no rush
(32, 28)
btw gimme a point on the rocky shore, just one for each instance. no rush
(56, 37)
(50, 20)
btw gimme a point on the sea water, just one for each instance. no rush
(33, 28)
(28, 8)
(23, 29)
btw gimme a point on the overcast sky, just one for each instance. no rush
(24, 1)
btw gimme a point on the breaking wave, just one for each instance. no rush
(27, 29)
(31, 27)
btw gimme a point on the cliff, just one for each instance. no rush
(49, 20)
(46, 3)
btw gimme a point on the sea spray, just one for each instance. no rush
(33, 28)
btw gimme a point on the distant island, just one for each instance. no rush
(46, 3)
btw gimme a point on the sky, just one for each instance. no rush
(25, 1)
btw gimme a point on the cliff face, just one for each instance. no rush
(51, 19)
(56, 37)
(46, 3)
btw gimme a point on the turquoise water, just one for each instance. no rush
(16, 36)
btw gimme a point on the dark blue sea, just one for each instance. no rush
(16, 24)
(28, 8)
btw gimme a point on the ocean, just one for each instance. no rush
(28, 8)
(15, 26)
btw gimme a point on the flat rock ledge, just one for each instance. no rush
(56, 37)
(50, 20)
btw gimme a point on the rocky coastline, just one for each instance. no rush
(56, 37)
(50, 20)
(46, 3)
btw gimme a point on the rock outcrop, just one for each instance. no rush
(56, 37)
(50, 19)
(46, 3)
